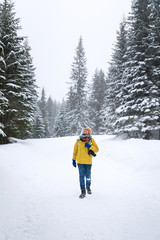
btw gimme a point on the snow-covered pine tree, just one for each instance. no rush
(96, 100)
(52, 112)
(61, 123)
(14, 87)
(153, 62)
(77, 96)
(29, 88)
(42, 103)
(135, 113)
(114, 82)
(38, 130)
(154, 49)
(70, 105)
(12, 47)
(28, 91)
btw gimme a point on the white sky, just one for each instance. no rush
(54, 27)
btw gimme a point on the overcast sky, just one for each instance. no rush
(54, 28)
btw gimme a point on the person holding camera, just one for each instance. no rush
(84, 149)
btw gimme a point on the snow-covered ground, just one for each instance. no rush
(39, 191)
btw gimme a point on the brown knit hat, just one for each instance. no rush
(87, 131)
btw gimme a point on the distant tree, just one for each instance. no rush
(61, 124)
(43, 108)
(52, 112)
(38, 130)
(96, 100)
(77, 96)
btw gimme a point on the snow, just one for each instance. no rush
(1, 132)
(39, 191)
(13, 85)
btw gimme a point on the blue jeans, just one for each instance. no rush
(84, 174)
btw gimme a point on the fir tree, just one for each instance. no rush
(28, 90)
(114, 82)
(77, 97)
(137, 112)
(52, 112)
(96, 100)
(61, 123)
(38, 130)
(153, 63)
(17, 83)
(43, 108)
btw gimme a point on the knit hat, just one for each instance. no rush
(87, 131)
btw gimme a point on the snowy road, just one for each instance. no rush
(39, 191)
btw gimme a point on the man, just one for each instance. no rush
(84, 149)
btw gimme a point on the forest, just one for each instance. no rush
(124, 100)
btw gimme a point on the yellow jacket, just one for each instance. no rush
(80, 152)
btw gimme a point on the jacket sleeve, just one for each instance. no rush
(75, 150)
(94, 146)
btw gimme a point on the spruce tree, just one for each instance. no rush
(153, 63)
(96, 100)
(43, 108)
(12, 48)
(38, 130)
(134, 116)
(114, 80)
(77, 96)
(52, 112)
(61, 123)
(28, 90)
(17, 83)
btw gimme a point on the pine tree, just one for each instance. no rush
(29, 87)
(28, 90)
(17, 83)
(114, 81)
(96, 100)
(52, 112)
(70, 110)
(61, 123)
(153, 63)
(77, 96)
(38, 130)
(134, 114)
(43, 108)
(12, 47)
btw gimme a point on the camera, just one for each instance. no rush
(90, 152)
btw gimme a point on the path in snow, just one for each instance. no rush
(39, 191)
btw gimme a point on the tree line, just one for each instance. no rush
(125, 99)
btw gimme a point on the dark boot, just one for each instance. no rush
(89, 190)
(83, 193)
